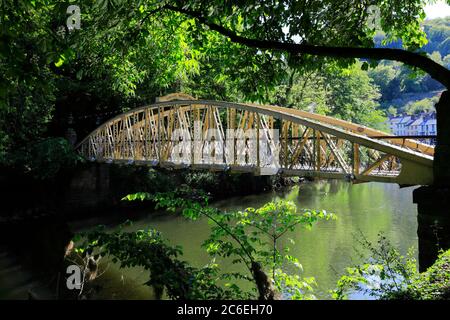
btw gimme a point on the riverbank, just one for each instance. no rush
(325, 251)
(97, 189)
(40, 238)
(39, 216)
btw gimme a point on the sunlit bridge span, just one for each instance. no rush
(181, 132)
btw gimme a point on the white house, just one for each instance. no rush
(418, 125)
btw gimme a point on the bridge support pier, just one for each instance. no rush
(441, 163)
(433, 206)
(433, 202)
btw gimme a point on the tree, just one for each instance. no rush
(354, 98)
(301, 31)
(302, 90)
(132, 42)
(383, 76)
(27, 89)
(447, 60)
(388, 275)
(48, 73)
(310, 32)
(335, 29)
(438, 35)
(424, 105)
(392, 111)
(347, 36)
(348, 94)
(250, 238)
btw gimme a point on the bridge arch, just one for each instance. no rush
(218, 135)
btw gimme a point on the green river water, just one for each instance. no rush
(325, 251)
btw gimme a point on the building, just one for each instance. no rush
(423, 124)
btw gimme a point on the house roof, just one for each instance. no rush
(430, 122)
(395, 120)
(417, 122)
(405, 119)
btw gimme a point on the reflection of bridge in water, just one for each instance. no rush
(179, 131)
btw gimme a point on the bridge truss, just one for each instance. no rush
(181, 132)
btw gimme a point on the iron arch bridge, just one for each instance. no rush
(181, 132)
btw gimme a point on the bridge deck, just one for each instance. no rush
(215, 135)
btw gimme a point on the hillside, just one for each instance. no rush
(438, 35)
(402, 90)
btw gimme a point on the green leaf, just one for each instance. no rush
(60, 61)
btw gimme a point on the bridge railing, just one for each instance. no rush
(226, 136)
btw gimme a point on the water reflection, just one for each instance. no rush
(327, 249)
(370, 208)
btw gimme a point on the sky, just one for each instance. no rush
(438, 10)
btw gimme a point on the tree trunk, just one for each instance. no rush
(262, 281)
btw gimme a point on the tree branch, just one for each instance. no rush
(435, 70)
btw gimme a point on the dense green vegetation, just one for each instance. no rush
(438, 35)
(404, 89)
(424, 105)
(319, 56)
(348, 94)
(128, 52)
(438, 39)
(389, 275)
(249, 238)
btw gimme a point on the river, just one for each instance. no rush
(324, 252)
